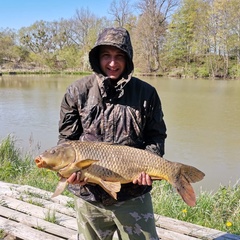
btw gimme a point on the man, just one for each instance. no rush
(113, 106)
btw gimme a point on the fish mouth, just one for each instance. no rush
(40, 162)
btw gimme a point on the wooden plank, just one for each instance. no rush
(165, 234)
(14, 189)
(33, 210)
(37, 223)
(24, 232)
(31, 194)
(49, 204)
(61, 199)
(193, 230)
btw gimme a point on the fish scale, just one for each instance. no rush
(110, 165)
(114, 154)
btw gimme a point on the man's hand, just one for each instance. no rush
(143, 179)
(75, 178)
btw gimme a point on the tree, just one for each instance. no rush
(222, 35)
(227, 15)
(185, 29)
(121, 12)
(8, 46)
(235, 29)
(151, 29)
(82, 32)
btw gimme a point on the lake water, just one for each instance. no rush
(202, 117)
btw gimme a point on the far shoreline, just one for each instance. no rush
(175, 74)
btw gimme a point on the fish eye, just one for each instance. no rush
(52, 151)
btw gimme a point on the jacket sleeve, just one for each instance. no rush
(70, 127)
(155, 130)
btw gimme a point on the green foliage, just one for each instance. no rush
(17, 167)
(7, 43)
(219, 210)
(71, 55)
(11, 163)
(51, 216)
(202, 72)
(2, 234)
(234, 71)
(70, 204)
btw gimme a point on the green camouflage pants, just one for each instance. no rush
(132, 219)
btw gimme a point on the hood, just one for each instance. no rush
(117, 37)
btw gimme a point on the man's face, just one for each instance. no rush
(112, 61)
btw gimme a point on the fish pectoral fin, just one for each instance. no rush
(62, 184)
(111, 187)
(85, 163)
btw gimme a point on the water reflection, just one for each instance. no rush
(202, 118)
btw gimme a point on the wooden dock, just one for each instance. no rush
(29, 213)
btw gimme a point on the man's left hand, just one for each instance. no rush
(143, 179)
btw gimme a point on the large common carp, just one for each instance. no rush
(110, 165)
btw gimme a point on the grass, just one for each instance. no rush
(51, 217)
(2, 234)
(18, 167)
(219, 210)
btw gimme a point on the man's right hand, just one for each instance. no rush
(75, 178)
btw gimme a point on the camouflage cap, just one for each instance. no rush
(117, 37)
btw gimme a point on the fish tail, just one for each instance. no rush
(192, 174)
(186, 191)
(187, 175)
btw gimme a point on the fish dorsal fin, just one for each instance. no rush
(111, 187)
(85, 163)
(62, 184)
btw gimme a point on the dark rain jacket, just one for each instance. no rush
(127, 113)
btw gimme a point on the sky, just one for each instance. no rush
(16, 14)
